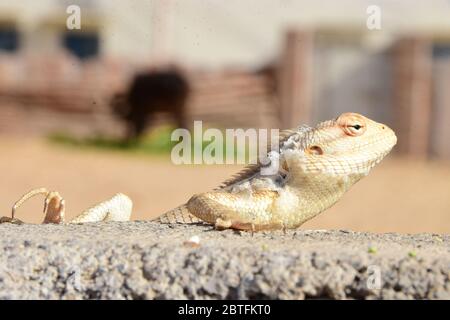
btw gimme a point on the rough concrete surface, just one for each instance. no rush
(147, 260)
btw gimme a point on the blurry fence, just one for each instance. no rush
(316, 78)
(41, 94)
(233, 99)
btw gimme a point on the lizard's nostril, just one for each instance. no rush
(383, 127)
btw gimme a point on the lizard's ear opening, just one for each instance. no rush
(314, 150)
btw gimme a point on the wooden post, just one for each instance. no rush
(412, 95)
(296, 69)
(440, 131)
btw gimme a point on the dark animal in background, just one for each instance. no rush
(150, 93)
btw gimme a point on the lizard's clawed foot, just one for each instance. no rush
(10, 220)
(54, 206)
(221, 224)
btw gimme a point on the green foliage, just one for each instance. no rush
(156, 142)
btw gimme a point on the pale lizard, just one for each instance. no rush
(316, 167)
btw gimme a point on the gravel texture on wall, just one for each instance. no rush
(147, 260)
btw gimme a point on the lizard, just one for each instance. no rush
(315, 166)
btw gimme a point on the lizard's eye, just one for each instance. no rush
(352, 124)
(354, 129)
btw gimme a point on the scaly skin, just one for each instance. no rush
(316, 167)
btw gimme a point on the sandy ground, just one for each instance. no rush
(148, 260)
(399, 195)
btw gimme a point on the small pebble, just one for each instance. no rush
(193, 241)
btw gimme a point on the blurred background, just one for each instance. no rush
(89, 112)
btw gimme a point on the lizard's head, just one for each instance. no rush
(349, 144)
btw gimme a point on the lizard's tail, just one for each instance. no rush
(178, 215)
(27, 196)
